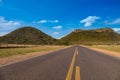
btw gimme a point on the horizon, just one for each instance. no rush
(58, 18)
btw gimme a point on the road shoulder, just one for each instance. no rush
(17, 58)
(110, 53)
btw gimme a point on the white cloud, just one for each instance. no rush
(46, 21)
(57, 27)
(116, 21)
(56, 33)
(56, 21)
(116, 29)
(3, 33)
(5, 24)
(53, 21)
(89, 20)
(42, 21)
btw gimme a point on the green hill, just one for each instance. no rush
(27, 35)
(98, 36)
(30, 35)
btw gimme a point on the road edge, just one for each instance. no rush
(43, 53)
(106, 52)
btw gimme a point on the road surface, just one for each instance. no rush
(74, 63)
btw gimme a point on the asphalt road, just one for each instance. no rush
(74, 63)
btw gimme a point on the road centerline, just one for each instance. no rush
(77, 74)
(70, 71)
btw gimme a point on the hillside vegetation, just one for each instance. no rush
(30, 35)
(98, 36)
(114, 48)
(27, 35)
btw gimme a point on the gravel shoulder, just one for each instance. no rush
(107, 52)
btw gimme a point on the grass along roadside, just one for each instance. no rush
(110, 50)
(20, 54)
(114, 48)
(24, 51)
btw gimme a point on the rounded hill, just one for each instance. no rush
(27, 35)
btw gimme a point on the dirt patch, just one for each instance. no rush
(17, 58)
(110, 53)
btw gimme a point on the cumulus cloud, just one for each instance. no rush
(6, 25)
(42, 21)
(116, 29)
(89, 20)
(53, 21)
(56, 21)
(3, 33)
(56, 33)
(57, 27)
(116, 21)
(46, 21)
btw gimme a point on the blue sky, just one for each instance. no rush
(59, 17)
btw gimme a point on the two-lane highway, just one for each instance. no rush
(74, 63)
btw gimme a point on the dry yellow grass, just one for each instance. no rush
(111, 50)
(18, 54)
(115, 48)
(23, 51)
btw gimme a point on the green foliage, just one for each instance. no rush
(27, 35)
(89, 37)
(115, 48)
(30, 35)
(62, 42)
